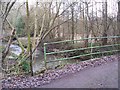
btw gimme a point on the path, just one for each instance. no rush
(104, 76)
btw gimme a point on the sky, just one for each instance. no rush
(112, 4)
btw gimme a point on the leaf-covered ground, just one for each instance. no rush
(48, 76)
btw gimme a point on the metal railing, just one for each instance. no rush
(91, 47)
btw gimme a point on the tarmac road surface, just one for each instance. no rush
(104, 76)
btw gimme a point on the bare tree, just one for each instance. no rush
(35, 29)
(118, 18)
(118, 21)
(4, 16)
(104, 40)
(72, 28)
(86, 23)
(8, 7)
(58, 22)
(29, 47)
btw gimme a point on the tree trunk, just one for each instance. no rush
(31, 60)
(35, 32)
(118, 22)
(86, 25)
(104, 40)
(72, 12)
(118, 18)
(4, 17)
(29, 48)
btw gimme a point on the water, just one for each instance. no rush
(15, 49)
(38, 61)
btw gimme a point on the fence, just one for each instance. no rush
(91, 47)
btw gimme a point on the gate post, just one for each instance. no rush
(91, 45)
(45, 56)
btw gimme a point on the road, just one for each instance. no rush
(104, 76)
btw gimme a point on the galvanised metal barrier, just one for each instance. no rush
(90, 47)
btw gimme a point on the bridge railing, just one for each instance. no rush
(91, 47)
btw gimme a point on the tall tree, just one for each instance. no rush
(118, 21)
(86, 23)
(8, 7)
(63, 24)
(72, 28)
(118, 18)
(104, 40)
(29, 47)
(58, 22)
(35, 29)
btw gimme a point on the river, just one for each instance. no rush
(38, 61)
